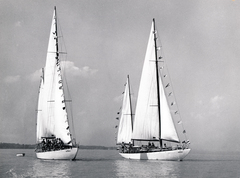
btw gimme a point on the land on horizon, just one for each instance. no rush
(32, 146)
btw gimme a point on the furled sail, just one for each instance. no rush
(147, 121)
(52, 118)
(125, 123)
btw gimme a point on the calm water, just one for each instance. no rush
(107, 163)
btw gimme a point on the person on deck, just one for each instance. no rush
(43, 145)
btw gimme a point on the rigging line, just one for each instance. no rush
(176, 103)
(165, 91)
(64, 48)
(36, 113)
(130, 100)
(68, 91)
(159, 42)
(62, 37)
(165, 66)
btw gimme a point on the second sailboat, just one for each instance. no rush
(153, 121)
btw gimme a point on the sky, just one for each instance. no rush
(106, 40)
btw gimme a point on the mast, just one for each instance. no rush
(130, 100)
(37, 110)
(56, 33)
(128, 80)
(157, 77)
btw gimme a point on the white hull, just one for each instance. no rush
(20, 154)
(67, 154)
(174, 155)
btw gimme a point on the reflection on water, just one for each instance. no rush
(53, 168)
(140, 168)
(107, 163)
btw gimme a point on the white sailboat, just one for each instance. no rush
(153, 121)
(54, 137)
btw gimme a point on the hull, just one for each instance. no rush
(20, 154)
(66, 154)
(174, 155)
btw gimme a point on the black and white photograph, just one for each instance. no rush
(120, 88)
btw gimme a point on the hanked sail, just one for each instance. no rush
(148, 123)
(125, 123)
(52, 117)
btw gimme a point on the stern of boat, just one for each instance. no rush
(66, 154)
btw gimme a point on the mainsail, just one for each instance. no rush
(125, 123)
(149, 125)
(52, 117)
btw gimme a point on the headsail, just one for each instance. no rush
(168, 131)
(52, 117)
(40, 114)
(125, 123)
(147, 120)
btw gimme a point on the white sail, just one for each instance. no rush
(168, 131)
(40, 113)
(146, 123)
(52, 116)
(125, 123)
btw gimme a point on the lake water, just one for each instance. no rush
(107, 163)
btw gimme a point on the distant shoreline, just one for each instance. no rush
(29, 146)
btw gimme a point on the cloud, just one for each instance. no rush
(35, 76)
(209, 109)
(18, 24)
(215, 104)
(69, 67)
(118, 99)
(12, 79)
(216, 99)
(76, 71)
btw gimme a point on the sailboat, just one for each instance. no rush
(153, 119)
(54, 139)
